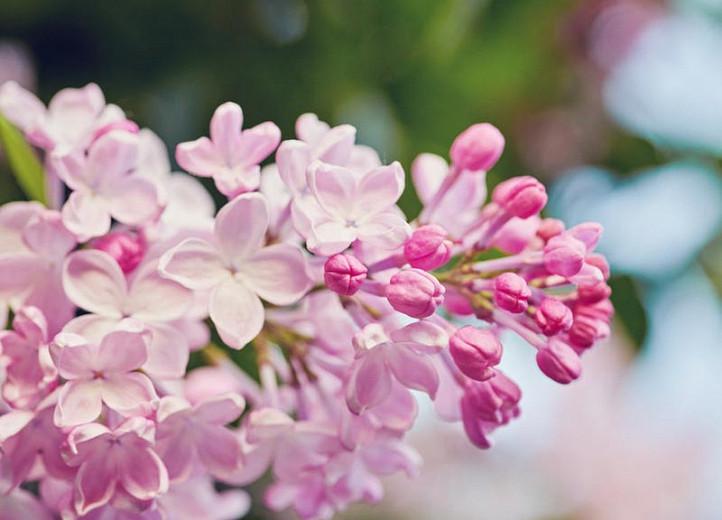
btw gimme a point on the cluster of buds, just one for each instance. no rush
(129, 276)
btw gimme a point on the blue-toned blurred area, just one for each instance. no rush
(615, 104)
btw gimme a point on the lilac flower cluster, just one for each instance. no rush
(346, 305)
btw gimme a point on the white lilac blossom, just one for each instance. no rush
(346, 305)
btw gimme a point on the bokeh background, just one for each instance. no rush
(615, 104)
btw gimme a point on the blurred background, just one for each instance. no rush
(615, 104)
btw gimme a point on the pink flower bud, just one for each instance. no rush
(600, 262)
(124, 125)
(588, 233)
(511, 292)
(428, 248)
(593, 293)
(477, 148)
(564, 255)
(486, 405)
(591, 324)
(553, 316)
(521, 197)
(550, 227)
(475, 351)
(127, 248)
(559, 362)
(415, 293)
(344, 274)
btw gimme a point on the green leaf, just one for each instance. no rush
(629, 309)
(23, 162)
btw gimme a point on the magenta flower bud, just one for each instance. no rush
(553, 316)
(511, 292)
(487, 405)
(591, 323)
(564, 255)
(126, 248)
(344, 274)
(593, 293)
(415, 293)
(477, 148)
(475, 351)
(428, 248)
(600, 262)
(549, 228)
(521, 197)
(559, 362)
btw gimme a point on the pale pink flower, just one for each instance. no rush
(22, 504)
(25, 438)
(188, 436)
(105, 187)
(95, 282)
(401, 356)
(69, 122)
(30, 373)
(354, 206)
(35, 243)
(110, 461)
(197, 498)
(231, 156)
(101, 373)
(239, 269)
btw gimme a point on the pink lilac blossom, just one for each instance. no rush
(344, 305)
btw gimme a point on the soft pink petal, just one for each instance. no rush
(220, 410)
(11, 423)
(112, 157)
(18, 273)
(121, 351)
(387, 230)
(94, 281)
(292, 159)
(219, 449)
(177, 450)
(237, 313)
(133, 200)
(277, 274)
(79, 402)
(370, 382)
(73, 356)
(428, 172)
(379, 189)
(330, 237)
(128, 393)
(234, 181)
(86, 215)
(310, 129)
(195, 264)
(47, 236)
(337, 145)
(142, 473)
(152, 298)
(199, 157)
(226, 126)
(334, 188)
(20, 106)
(413, 370)
(424, 334)
(392, 456)
(94, 484)
(258, 142)
(241, 227)
(168, 352)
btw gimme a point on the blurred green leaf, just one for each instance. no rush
(629, 309)
(23, 162)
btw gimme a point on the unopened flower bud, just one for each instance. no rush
(126, 248)
(477, 148)
(559, 362)
(475, 351)
(415, 293)
(550, 227)
(344, 274)
(593, 293)
(521, 197)
(511, 292)
(553, 316)
(486, 405)
(428, 248)
(600, 262)
(564, 255)
(591, 324)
